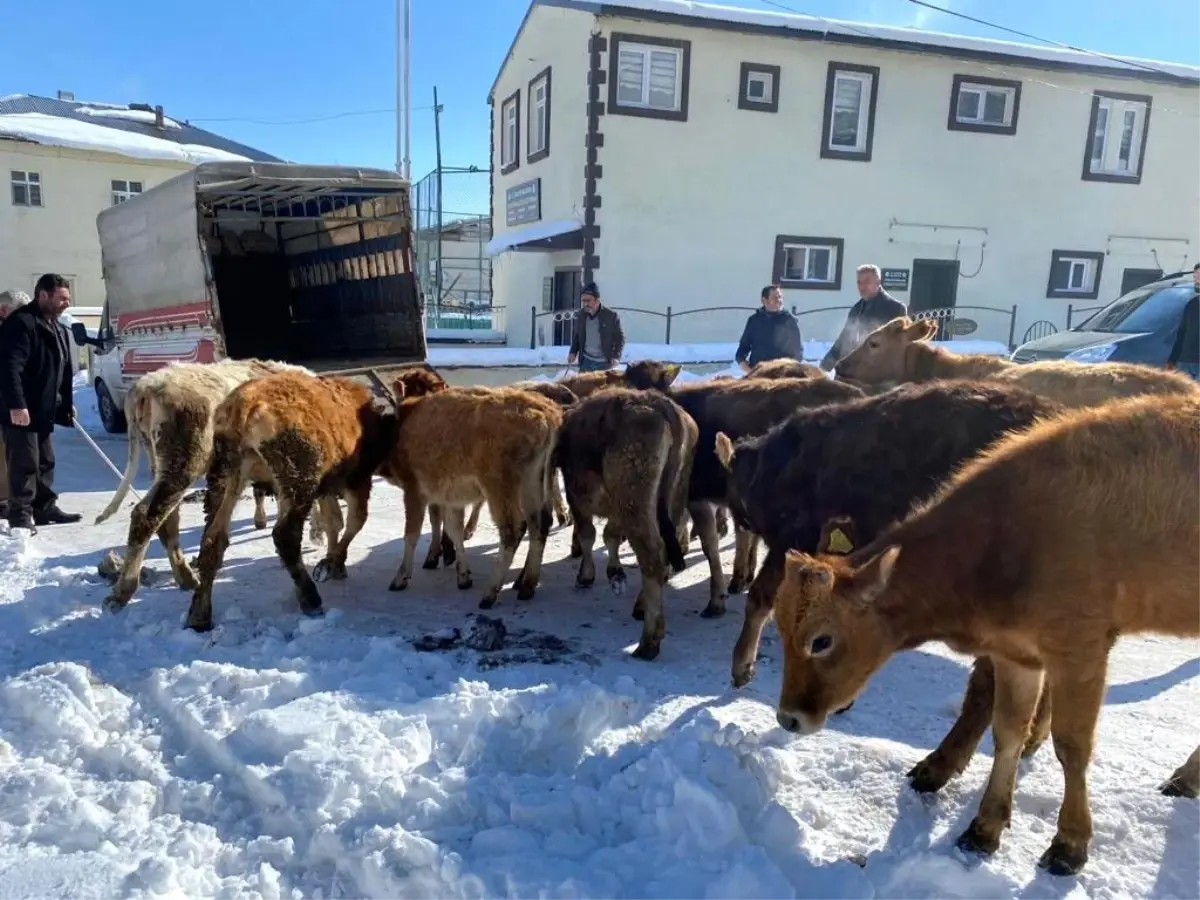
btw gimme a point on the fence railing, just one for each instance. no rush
(464, 318)
(952, 324)
(1072, 311)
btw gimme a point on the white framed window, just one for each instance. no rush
(537, 140)
(510, 132)
(808, 262)
(648, 77)
(850, 93)
(123, 190)
(1119, 124)
(984, 104)
(26, 188)
(1075, 273)
(758, 88)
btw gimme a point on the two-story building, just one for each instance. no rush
(64, 161)
(686, 155)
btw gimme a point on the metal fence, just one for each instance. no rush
(951, 320)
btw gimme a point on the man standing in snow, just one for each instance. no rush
(598, 334)
(875, 307)
(35, 395)
(9, 300)
(770, 333)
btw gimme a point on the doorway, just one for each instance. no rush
(934, 286)
(1132, 279)
(567, 284)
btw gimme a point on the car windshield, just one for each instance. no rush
(1145, 310)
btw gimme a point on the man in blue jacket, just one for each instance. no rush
(35, 395)
(770, 333)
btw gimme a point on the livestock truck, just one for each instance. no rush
(306, 264)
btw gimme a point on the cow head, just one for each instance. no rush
(651, 375)
(834, 637)
(883, 354)
(418, 382)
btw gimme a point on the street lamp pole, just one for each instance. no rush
(403, 94)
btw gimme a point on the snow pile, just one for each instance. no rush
(101, 111)
(372, 753)
(59, 132)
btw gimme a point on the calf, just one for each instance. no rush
(900, 351)
(492, 444)
(627, 456)
(785, 368)
(313, 438)
(1036, 553)
(170, 411)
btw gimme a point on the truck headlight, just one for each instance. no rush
(1097, 354)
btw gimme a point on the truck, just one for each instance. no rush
(311, 265)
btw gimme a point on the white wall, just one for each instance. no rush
(60, 236)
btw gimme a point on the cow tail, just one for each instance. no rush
(669, 534)
(135, 435)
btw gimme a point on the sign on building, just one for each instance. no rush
(894, 279)
(523, 202)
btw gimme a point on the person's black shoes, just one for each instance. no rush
(52, 515)
(21, 518)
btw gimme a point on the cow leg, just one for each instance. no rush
(455, 532)
(1184, 781)
(288, 535)
(958, 746)
(560, 508)
(473, 521)
(260, 509)
(617, 580)
(538, 520)
(743, 568)
(326, 522)
(435, 536)
(414, 518)
(504, 505)
(356, 518)
(168, 533)
(760, 604)
(704, 524)
(585, 535)
(651, 554)
(147, 518)
(223, 489)
(722, 519)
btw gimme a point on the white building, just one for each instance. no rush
(64, 161)
(686, 155)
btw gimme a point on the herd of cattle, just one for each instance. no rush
(1023, 514)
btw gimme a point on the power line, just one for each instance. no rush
(315, 119)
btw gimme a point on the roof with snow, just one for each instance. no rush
(129, 130)
(797, 25)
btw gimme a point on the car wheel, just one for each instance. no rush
(112, 416)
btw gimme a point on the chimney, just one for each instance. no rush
(66, 95)
(158, 118)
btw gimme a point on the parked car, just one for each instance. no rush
(1139, 327)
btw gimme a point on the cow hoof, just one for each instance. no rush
(713, 610)
(1060, 859)
(928, 776)
(563, 521)
(260, 524)
(113, 605)
(186, 580)
(646, 651)
(617, 581)
(465, 582)
(736, 584)
(314, 612)
(639, 612)
(487, 602)
(525, 590)
(339, 572)
(581, 582)
(973, 840)
(1177, 786)
(200, 626)
(322, 571)
(398, 584)
(744, 674)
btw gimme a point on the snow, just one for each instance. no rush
(715, 352)
(538, 232)
(119, 112)
(59, 132)
(287, 757)
(821, 25)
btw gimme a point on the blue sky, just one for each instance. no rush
(314, 80)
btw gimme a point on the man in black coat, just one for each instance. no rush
(599, 339)
(875, 307)
(36, 393)
(770, 333)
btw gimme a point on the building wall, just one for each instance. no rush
(692, 208)
(60, 236)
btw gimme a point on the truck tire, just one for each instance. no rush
(111, 415)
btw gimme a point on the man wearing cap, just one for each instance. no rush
(9, 301)
(598, 339)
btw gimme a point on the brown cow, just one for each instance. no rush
(1035, 554)
(492, 444)
(785, 368)
(900, 351)
(627, 456)
(316, 439)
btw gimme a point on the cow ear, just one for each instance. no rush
(724, 450)
(673, 370)
(922, 330)
(873, 576)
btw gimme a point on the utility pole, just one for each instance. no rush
(437, 147)
(403, 104)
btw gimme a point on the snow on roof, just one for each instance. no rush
(57, 132)
(119, 112)
(818, 26)
(539, 232)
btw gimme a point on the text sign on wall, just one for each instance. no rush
(523, 202)
(895, 279)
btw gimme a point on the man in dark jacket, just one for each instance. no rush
(35, 388)
(770, 333)
(598, 340)
(1185, 353)
(875, 307)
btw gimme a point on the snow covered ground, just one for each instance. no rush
(281, 757)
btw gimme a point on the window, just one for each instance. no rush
(848, 129)
(758, 87)
(123, 190)
(510, 133)
(1075, 274)
(537, 141)
(26, 188)
(984, 104)
(648, 77)
(1147, 309)
(808, 263)
(1117, 132)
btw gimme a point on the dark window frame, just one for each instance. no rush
(778, 266)
(29, 180)
(831, 73)
(1109, 177)
(536, 155)
(1057, 256)
(616, 39)
(515, 97)
(744, 100)
(952, 123)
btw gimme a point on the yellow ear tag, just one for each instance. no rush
(838, 542)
